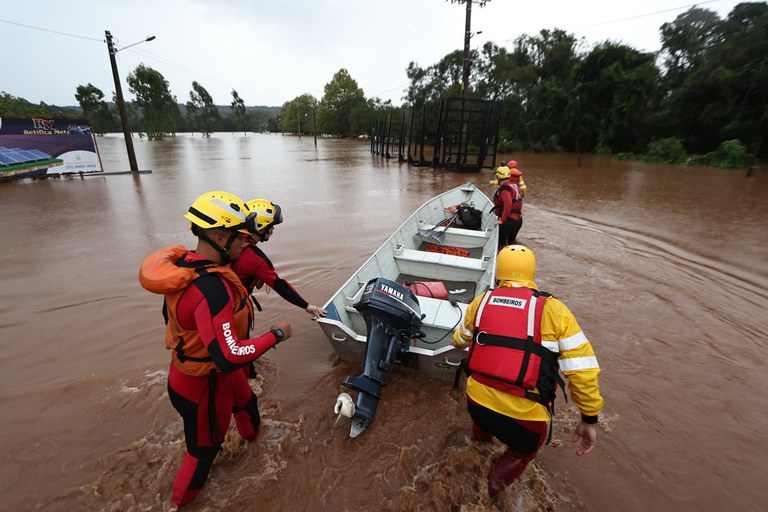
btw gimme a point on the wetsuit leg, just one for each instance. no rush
(512, 229)
(199, 458)
(246, 409)
(505, 470)
(523, 439)
(480, 435)
(504, 234)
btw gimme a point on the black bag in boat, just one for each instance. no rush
(470, 218)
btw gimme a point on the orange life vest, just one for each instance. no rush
(506, 351)
(166, 271)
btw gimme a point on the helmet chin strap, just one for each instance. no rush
(263, 237)
(223, 251)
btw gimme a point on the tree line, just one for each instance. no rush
(704, 93)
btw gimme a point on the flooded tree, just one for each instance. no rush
(342, 97)
(298, 115)
(160, 111)
(201, 111)
(239, 114)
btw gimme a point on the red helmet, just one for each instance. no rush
(512, 164)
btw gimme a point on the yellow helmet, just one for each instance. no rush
(218, 209)
(502, 172)
(515, 263)
(266, 213)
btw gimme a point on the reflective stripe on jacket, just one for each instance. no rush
(506, 352)
(561, 333)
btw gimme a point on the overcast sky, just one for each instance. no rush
(272, 51)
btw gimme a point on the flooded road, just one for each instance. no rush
(665, 268)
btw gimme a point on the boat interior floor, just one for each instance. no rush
(474, 252)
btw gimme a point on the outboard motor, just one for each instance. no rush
(392, 317)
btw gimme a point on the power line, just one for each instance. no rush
(149, 55)
(650, 14)
(641, 15)
(52, 31)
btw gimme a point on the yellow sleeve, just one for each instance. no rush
(462, 336)
(577, 358)
(523, 187)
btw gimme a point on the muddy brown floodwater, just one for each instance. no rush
(664, 266)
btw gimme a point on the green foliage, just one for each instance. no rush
(685, 42)
(239, 112)
(342, 96)
(11, 105)
(731, 154)
(160, 112)
(438, 81)
(669, 151)
(91, 100)
(615, 90)
(299, 115)
(201, 112)
(720, 91)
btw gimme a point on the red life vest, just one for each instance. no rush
(517, 199)
(506, 351)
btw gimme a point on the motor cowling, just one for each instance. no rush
(391, 303)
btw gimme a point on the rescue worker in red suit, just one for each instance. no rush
(255, 269)
(508, 205)
(518, 338)
(207, 311)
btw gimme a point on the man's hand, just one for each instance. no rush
(284, 326)
(586, 436)
(315, 311)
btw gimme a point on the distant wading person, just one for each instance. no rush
(208, 316)
(518, 337)
(508, 204)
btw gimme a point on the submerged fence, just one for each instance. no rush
(461, 135)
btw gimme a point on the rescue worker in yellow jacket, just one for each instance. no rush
(208, 317)
(512, 164)
(518, 338)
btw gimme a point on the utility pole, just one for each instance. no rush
(119, 95)
(298, 119)
(314, 123)
(121, 104)
(467, 37)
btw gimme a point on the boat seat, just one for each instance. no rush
(441, 259)
(441, 314)
(472, 233)
(457, 237)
